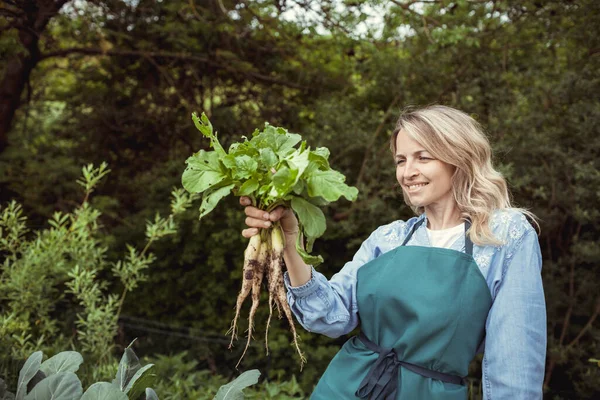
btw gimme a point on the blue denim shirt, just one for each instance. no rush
(515, 344)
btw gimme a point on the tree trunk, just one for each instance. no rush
(33, 19)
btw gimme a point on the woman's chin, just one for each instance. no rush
(415, 201)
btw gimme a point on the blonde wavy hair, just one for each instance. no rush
(457, 139)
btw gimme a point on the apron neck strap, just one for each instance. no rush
(414, 228)
(468, 242)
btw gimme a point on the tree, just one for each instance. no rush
(26, 19)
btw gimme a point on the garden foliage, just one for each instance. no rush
(55, 379)
(53, 287)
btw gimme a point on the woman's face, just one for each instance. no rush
(426, 181)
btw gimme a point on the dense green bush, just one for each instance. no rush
(54, 290)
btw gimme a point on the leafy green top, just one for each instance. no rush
(273, 168)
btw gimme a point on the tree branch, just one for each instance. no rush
(587, 326)
(406, 7)
(306, 4)
(10, 26)
(9, 13)
(11, 2)
(166, 54)
(410, 3)
(223, 9)
(195, 12)
(567, 318)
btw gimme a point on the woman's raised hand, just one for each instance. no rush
(257, 219)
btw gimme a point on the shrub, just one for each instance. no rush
(55, 284)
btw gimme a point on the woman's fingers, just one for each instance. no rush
(276, 214)
(248, 233)
(257, 219)
(254, 212)
(257, 223)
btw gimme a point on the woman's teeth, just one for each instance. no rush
(410, 187)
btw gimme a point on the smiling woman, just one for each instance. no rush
(457, 142)
(430, 289)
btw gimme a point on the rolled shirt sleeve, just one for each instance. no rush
(515, 345)
(329, 306)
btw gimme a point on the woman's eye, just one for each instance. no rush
(398, 162)
(425, 158)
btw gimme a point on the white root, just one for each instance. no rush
(259, 270)
(265, 257)
(250, 265)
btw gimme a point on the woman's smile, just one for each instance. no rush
(415, 187)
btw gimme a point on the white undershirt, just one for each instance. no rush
(445, 237)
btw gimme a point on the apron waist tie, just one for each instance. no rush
(382, 380)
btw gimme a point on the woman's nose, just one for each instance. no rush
(410, 171)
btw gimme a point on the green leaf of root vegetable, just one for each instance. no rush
(330, 185)
(299, 161)
(203, 172)
(233, 390)
(320, 157)
(277, 139)
(60, 386)
(204, 126)
(242, 166)
(246, 166)
(283, 181)
(103, 391)
(310, 217)
(307, 258)
(212, 197)
(268, 157)
(248, 187)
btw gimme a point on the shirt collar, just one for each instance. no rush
(422, 237)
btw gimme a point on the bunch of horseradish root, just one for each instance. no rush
(272, 168)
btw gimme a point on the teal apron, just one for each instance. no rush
(422, 314)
